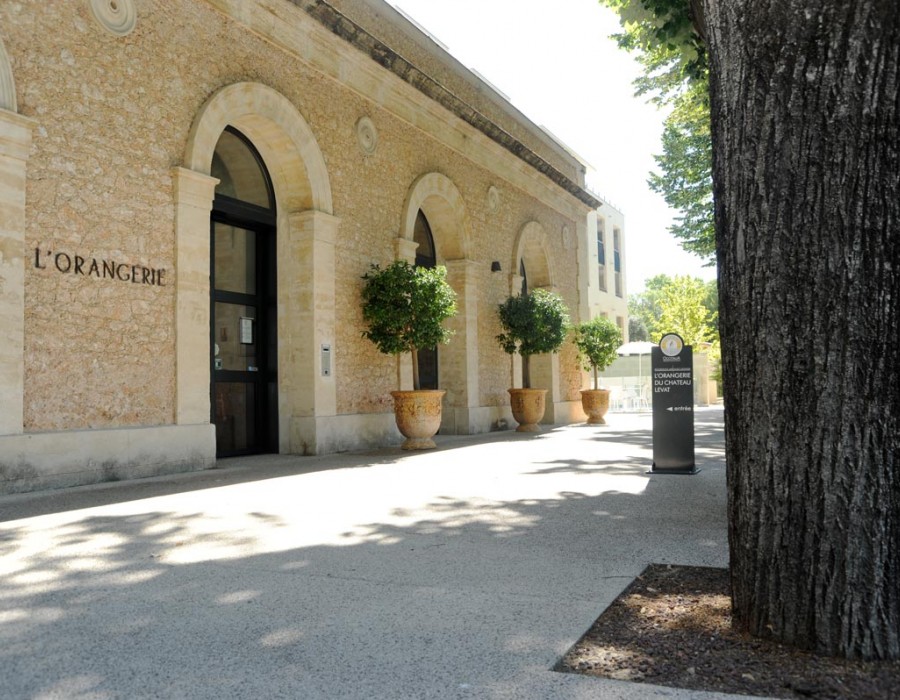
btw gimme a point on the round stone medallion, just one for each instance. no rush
(493, 198)
(366, 135)
(118, 17)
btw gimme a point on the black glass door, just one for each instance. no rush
(243, 339)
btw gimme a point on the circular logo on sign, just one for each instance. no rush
(671, 344)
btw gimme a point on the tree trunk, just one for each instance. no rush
(805, 102)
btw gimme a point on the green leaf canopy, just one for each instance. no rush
(405, 306)
(533, 323)
(597, 341)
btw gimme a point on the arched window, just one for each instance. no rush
(524, 277)
(426, 257)
(425, 254)
(242, 175)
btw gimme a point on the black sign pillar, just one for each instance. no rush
(672, 365)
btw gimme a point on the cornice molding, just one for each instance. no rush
(342, 26)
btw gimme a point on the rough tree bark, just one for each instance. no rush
(805, 101)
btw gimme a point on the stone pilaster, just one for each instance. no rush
(306, 302)
(545, 375)
(459, 359)
(194, 194)
(405, 249)
(15, 143)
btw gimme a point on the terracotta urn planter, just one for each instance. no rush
(595, 403)
(418, 416)
(527, 408)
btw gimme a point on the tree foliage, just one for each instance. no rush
(684, 311)
(681, 304)
(597, 341)
(665, 38)
(404, 308)
(533, 324)
(686, 167)
(637, 329)
(646, 305)
(665, 34)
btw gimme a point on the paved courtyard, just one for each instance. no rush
(463, 572)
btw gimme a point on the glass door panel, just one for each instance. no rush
(235, 262)
(235, 416)
(244, 345)
(236, 333)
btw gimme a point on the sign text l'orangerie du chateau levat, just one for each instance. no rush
(673, 406)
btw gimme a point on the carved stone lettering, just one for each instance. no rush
(89, 266)
(66, 260)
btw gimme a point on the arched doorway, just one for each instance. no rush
(532, 262)
(433, 201)
(306, 231)
(426, 256)
(243, 291)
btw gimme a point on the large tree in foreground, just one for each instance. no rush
(805, 106)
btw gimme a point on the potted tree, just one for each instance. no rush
(533, 324)
(404, 308)
(597, 341)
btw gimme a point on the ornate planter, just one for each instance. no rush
(418, 416)
(527, 408)
(595, 403)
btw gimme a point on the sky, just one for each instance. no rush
(556, 63)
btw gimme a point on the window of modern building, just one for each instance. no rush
(617, 261)
(601, 254)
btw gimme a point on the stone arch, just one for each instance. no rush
(531, 248)
(280, 134)
(439, 198)
(7, 85)
(306, 233)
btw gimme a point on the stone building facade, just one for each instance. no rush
(191, 191)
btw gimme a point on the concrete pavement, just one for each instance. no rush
(462, 572)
